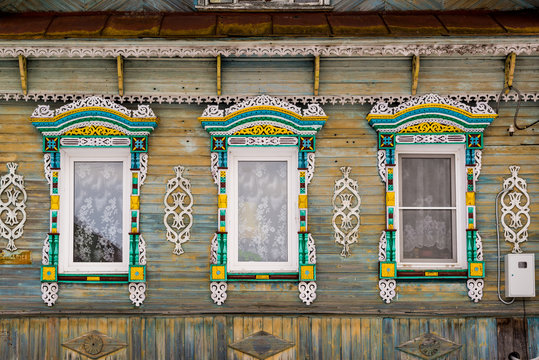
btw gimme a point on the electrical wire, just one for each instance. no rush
(504, 191)
(519, 96)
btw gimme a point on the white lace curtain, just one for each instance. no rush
(262, 211)
(427, 187)
(97, 234)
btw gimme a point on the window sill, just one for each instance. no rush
(94, 278)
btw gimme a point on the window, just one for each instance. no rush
(95, 162)
(429, 157)
(430, 202)
(262, 161)
(94, 194)
(263, 216)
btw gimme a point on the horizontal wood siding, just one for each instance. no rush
(208, 337)
(180, 284)
(367, 76)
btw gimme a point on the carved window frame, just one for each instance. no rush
(268, 123)
(94, 123)
(437, 121)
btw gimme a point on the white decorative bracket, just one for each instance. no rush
(137, 293)
(475, 289)
(12, 206)
(387, 289)
(218, 291)
(307, 291)
(49, 293)
(515, 203)
(346, 202)
(178, 207)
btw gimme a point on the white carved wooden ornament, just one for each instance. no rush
(515, 203)
(346, 202)
(178, 217)
(12, 206)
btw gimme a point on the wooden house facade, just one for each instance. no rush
(175, 101)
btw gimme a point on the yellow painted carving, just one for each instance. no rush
(55, 202)
(302, 173)
(223, 173)
(135, 202)
(476, 269)
(136, 273)
(470, 198)
(390, 198)
(49, 273)
(94, 130)
(390, 170)
(217, 272)
(264, 130)
(222, 200)
(470, 170)
(302, 201)
(388, 270)
(134, 230)
(431, 273)
(307, 272)
(262, 277)
(431, 127)
(93, 278)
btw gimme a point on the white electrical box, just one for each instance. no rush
(520, 275)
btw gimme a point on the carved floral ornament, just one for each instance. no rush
(258, 122)
(346, 202)
(75, 125)
(515, 204)
(430, 119)
(12, 206)
(178, 217)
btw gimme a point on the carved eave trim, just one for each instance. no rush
(228, 99)
(440, 46)
(94, 111)
(431, 108)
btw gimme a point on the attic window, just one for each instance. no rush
(261, 4)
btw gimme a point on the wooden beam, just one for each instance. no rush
(120, 66)
(219, 75)
(415, 73)
(23, 70)
(316, 74)
(510, 61)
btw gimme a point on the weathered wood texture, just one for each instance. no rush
(208, 337)
(188, 5)
(180, 284)
(368, 76)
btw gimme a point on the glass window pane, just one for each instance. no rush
(98, 192)
(262, 211)
(426, 182)
(427, 234)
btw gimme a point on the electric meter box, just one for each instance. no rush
(520, 275)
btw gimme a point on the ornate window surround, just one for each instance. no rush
(94, 123)
(430, 119)
(266, 122)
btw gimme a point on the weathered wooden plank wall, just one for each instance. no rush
(208, 337)
(178, 286)
(180, 283)
(278, 76)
